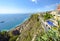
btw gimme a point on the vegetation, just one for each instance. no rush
(7, 36)
(13, 38)
(4, 36)
(51, 35)
(59, 32)
(47, 16)
(33, 27)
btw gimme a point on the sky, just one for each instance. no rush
(27, 6)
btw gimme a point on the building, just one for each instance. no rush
(56, 14)
(58, 8)
(56, 18)
(53, 22)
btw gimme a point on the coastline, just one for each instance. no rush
(13, 28)
(18, 25)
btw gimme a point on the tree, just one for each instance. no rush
(51, 35)
(4, 36)
(13, 38)
(47, 16)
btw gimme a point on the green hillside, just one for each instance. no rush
(31, 30)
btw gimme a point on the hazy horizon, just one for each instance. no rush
(27, 6)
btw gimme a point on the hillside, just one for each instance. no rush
(31, 28)
(34, 30)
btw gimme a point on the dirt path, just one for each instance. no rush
(34, 37)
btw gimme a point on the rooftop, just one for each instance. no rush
(58, 7)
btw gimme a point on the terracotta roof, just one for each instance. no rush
(58, 7)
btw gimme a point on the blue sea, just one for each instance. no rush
(9, 21)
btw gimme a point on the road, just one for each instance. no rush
(43, 23)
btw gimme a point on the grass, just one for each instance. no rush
(33, 27)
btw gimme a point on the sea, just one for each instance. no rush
(10, 21)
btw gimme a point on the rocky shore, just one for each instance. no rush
(21, 26)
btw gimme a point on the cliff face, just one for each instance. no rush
(30, 28)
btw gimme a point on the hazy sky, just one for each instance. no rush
(27, 6)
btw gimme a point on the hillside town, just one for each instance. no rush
(51, 22)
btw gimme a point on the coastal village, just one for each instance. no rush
(49, 23)
(54, 21)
